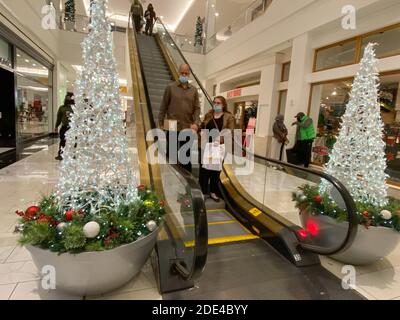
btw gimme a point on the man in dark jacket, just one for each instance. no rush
(63, 119)
(137, 14)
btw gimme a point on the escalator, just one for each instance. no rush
(249, 247)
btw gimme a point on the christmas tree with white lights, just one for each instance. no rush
(198, 38)
(358, 157)
(70, 10)
(96, 161)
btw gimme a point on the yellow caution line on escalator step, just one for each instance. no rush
(222, 240)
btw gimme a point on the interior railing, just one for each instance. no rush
(251, 13)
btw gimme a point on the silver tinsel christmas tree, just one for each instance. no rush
(358, 157)
(96, 161)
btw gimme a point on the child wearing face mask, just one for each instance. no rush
(219, 118)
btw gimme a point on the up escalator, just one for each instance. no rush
(251, 245)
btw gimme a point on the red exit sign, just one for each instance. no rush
(235, 93)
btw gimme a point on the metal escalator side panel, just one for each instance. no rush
(174, 234)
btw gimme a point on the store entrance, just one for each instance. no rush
(7, 111)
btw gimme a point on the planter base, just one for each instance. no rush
(369, 246)
(95, 273)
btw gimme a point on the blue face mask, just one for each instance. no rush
(183, 79)
(217, 108)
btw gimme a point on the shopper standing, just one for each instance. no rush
(219, 118)
(305, 136)
(63, 119)
(137, 14)
(180, 109)
(280, 133)
(151, 17)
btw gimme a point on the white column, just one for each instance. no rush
(299, 88)
(267, 106)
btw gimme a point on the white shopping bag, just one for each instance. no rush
(213, 156)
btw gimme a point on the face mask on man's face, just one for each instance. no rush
(183, 79)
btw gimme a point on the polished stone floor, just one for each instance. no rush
(274, 188)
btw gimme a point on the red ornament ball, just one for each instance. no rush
(31, 212)
(141, 187)
(162, 203)
(69, 215)
(365, 214)
(318, 199)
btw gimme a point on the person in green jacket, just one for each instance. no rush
(305, 136)
(63, 119)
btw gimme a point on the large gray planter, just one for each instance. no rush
(94, 273)
(369, 246)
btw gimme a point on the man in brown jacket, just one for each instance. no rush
(180, 105)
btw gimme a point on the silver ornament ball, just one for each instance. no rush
(386, 214)
(151, 225)
(91, 229)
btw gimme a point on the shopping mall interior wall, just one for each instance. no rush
(283, 21)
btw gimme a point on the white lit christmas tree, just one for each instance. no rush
(358, 157)
(96, 158)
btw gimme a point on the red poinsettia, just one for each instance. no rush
(141, 187)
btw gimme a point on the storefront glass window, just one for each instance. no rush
(336, 56)
(388, 42)
(285, 72)
(34, 97)
(330, 100)
(5, 54)
(282, 102)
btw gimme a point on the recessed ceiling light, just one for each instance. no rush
(217, 14)
(213, 6)
(162, 17)
(18, 55)
(34, 64)
(26, 60)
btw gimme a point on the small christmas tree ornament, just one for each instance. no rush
(31, 212)
(61, 226)
(91, 229)
(386, 214)
(318, 199)
(151, 225)
(69, 215)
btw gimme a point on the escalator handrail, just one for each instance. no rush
(186, 62)
(344, 193)
(348, 200)
(193, 188)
